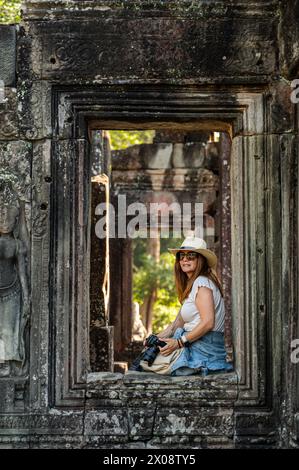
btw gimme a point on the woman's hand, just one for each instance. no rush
(172, 345)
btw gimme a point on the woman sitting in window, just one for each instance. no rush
(195, 340)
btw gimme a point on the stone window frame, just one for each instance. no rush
(123, 303)
(241, 112)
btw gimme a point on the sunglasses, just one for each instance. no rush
(190, 256)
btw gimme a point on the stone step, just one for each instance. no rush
(121, 367)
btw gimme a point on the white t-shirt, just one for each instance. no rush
(189, 311)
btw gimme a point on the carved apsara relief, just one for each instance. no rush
(14, 258)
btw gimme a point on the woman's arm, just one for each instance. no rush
(170, 330)
(205, 304)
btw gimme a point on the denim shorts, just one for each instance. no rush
(205, 355)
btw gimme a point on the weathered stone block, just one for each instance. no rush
(281, 109)
(156, 155)
(106, 422)
(6, 396)
(9, 122)
(297, 428)
(97, 379)
(184, 422)
(97, 266)
(16, 158)
(256, 424)
(8, 54)
(35, 105)
(172, 48)
(101, 341)
(141, 422)
(41, 188)
(56, 422)
(289, 38)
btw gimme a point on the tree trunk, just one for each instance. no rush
(147, 308)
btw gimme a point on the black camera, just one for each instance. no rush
(148, 355)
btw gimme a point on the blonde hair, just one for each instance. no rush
(184, 284)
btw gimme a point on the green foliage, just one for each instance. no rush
(140, 245)
(148, 274)
(163, 317)
(10, 11)
(124, 139)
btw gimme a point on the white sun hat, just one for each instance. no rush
(199, 246)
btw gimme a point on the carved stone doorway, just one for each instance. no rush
(179, 166)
